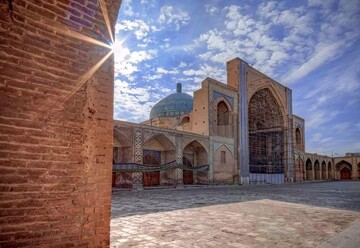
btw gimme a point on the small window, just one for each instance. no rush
(223, 157)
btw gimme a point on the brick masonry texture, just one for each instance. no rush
(55, 155)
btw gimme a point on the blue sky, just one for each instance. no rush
(312, 47)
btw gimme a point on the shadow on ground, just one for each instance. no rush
(342, 195)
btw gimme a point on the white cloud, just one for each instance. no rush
(173, 16)
(161, 70)
(133, 103)
(126, 61)
(324, 53)
(140, 28)
(211, 9)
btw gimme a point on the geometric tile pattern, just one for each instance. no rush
(138, 157)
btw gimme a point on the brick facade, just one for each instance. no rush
(55, 148)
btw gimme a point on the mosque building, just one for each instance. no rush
(241, 132)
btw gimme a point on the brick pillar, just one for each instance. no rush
(138, 158)
(179, 160)
(55, 147)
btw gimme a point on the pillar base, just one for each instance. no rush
(244, 180)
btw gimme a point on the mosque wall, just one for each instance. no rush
(200, 114)
(56, 138)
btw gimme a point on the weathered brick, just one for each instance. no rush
(53, 159)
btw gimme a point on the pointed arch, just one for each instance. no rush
(299, 138)
(162, 139)
(317, 170)
(120, 140)
(223, 117)
(266, 133)
(158, 149)
(269, 86)
(323, 171)
(309, 170)
(299, 170)
(330, 170)
(195, 140)
(343, 170)
(224, 166)
(197, 155)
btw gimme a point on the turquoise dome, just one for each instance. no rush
(173, 105)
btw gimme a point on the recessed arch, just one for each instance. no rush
(317, 170)
(161, 139)
(198, 141)
(323, 171)
(157, 150)
(298, 138)
(329, 170)
(344, 170)
(358, 169)
(266, 133)
(309, 170)
(268, 86)
(223, 117)
(224, 168)
(197, 155)
(299, 170)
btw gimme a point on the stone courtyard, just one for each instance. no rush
(319, 214)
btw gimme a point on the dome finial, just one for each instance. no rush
(178, 87)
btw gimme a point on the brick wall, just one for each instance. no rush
(55, 155)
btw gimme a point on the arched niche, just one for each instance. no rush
(224, 166)
(223, 118)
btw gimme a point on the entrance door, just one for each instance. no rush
(345, 174)
(151, 178)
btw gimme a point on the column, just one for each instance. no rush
(138, 158)
(179, 160)
(290, 161)
(243, 136)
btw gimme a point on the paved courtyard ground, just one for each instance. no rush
(318, 214)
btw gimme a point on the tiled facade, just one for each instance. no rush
(244, 131)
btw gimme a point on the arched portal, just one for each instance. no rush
(197, 155)
(329, 171)
(343, 170)
(323, 171)
(309, 170)
(266, 144)
(299, 170)
(317, 170)
(358, 167)
(158, 150)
